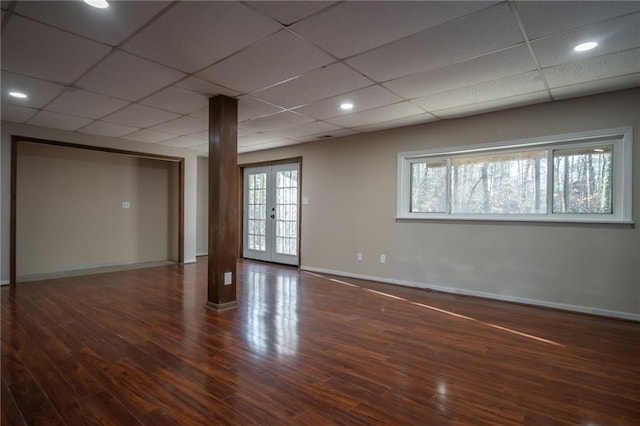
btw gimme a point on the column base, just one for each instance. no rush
(221, 307)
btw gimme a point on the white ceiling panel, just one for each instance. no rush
(257, 138)
(140, 116)
(515, 60)
(110, 25)
(58, 121)
(598, 86)
(273, 122)
(16, 113)
(201, 148)
(542, 18)
(385, 113)
(279, 57)
(400, 122)
(327, 135)
(320, 84)
(250, 108)
(182, 142)
(495, 105)
(367, 98)
(39, 92)
(195, 34)
(202, 114)
(269, 145)
(85, 104)
(182, 126)
(150, 136)
(37, 50)
(128, 77)
(205, 87)
(485, 31)
(618, 34)
(360, 26)
(176, 99)
(102, 128)
(203, 136)
(483, 92)
(289, 12)
(592, 69)
(306, 130)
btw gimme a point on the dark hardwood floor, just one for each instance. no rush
(137, 347)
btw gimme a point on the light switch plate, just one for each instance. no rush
(125, 204)
(227, 278)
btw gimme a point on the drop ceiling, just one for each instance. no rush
(143, 71)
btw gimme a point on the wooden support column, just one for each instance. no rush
(223, 202)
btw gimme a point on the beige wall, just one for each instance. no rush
(70, 214)
(351, 186)
(202, 210)
(8, 129)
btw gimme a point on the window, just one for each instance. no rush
(568, 178)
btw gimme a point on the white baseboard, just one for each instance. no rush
(190, 261)
(462, 291)
(4, 282)
(202, 254)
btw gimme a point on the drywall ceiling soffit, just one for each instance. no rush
(153, 65)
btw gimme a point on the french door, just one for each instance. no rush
(270, 213)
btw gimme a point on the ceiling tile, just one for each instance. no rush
(250, 108)
(495, 105)
(203, 136)
(606, 66)
(202, 114)
(111, 25)
(194, 34)
(483, 92)
(141, 78)
(256, 139)
(290, 12)
(612, 36)
(367, 98)
(385, 113)
(85, 104)
(182, 142)
(201, 148)
(504, 63)
(39, 92)
(182, 126)
(279, 57)
(140, 116)
(320, 84)
(542, 18)
(327, 135)
(103, 128)
(205, 87)
(150, 136)
(485, 31)
(306, 129)
(598, 86)
(359, 26)
(176, 99)
(268, 145)
(16, 113)
(58, 121)
(40, 51)
(399, 122)
(273, 122)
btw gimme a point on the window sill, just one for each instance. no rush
(520, 219)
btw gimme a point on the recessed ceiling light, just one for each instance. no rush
(19, 95)
(100, 4)
(585, 46)
(346, 106)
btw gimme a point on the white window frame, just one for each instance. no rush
(620, 138)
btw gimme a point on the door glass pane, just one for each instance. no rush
(257, 211)
(582, 180)
(286, 212)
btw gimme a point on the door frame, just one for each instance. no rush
(241, 201)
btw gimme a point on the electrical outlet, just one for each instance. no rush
(383, 258)
(228, 278)
(359, 256)
(125, 204)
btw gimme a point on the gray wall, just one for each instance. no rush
(202, 210)
(351, 186)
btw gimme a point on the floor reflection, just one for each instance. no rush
(272, 317)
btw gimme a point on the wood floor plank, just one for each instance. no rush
(137, 347)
